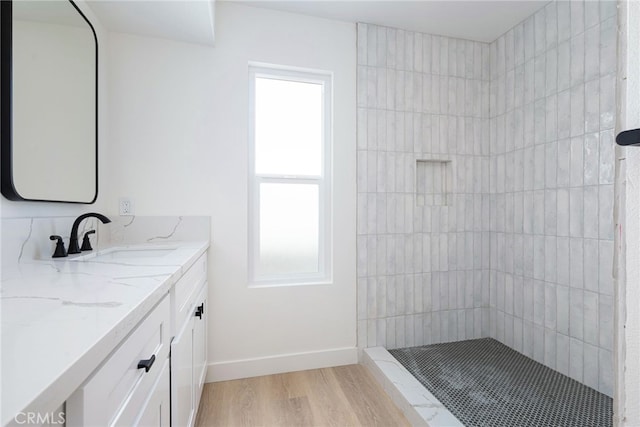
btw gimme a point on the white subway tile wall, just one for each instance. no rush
(423, 244)
(570, 198)
(523, 249)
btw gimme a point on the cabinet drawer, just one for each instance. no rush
(104, 397)
(184, 292)
(148, 406)
(156, 412)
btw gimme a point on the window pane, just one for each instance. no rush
(288, 128)
(289, 229)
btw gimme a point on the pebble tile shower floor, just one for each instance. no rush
(486, 384)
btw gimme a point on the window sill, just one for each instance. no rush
(281, 284)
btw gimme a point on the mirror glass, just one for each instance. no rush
(49, 97)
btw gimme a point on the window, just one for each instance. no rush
(289, 197)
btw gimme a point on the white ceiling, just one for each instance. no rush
(192, 20)
(183, 20)
(474, 20)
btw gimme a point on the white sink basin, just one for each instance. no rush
(134, 253)
(120, 254)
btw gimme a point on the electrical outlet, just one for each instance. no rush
(126, 206)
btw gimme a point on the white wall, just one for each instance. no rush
(11, 209)
(627, 206)
(179, 116)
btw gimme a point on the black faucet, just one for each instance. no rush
(73, 238)
(60, 250)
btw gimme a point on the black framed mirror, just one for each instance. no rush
(49, 102)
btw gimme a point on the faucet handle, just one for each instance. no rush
(60, 251)
(86, 244)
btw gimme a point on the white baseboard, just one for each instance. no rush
(245, 368)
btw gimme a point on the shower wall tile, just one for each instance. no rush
(562, 354)
(591, 362)
(591, 321)
(550, 351)
(521, 247)
(560, 104)
(576, 359)
(591, 14)
(422, 262)
(562, 314)
(605, 316)
(605, 267)
(605, 371)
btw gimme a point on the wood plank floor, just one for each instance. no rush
(339, 396)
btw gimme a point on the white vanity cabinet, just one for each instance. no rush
(188, 348)
(155, 376)
(131, 385)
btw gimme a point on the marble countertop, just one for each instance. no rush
(61, 318)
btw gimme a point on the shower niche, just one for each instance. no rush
(434, 180)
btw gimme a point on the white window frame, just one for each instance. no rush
(323, 181)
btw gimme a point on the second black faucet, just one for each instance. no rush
(73, 237)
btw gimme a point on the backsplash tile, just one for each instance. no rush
(154, 229)
(27, 239)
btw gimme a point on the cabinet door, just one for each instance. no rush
(156, 411)
(200, 347)
(118, 389)
(182, 414)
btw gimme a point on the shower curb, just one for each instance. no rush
(417, 403)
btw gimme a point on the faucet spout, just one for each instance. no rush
(73, 238)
